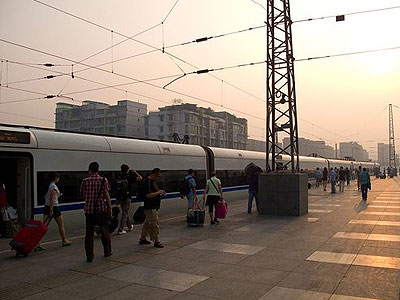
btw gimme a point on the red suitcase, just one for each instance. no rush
(29, 236)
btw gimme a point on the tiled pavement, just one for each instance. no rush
(342, 250)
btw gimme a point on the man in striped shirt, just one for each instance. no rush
(93, 190)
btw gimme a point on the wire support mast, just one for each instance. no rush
(281, 93)
(392, 151)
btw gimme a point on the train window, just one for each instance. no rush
(70, 183)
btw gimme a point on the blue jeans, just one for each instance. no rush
(190, 199)
(333, 187)
(252, 194)
(364, 191)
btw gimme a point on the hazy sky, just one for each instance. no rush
(339, 99)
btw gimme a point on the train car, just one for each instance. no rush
(230, 164)
(27, 155)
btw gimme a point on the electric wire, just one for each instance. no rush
(34, 79)
(347, 14)
(259, 4)
(170, 11)
(127, 77)
(119, 43)
(25, 116)
(138, 41)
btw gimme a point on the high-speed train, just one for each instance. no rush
(28, 154)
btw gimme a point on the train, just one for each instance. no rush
(28, 154)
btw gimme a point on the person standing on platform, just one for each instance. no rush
(342, 178)
(347, 175)
(317, 176)
(332, 175)
(365, 183)
(192, 196)
(358, 171)
(325, 178)
(93, 190)
(123, 187)
(152, 200)
(214, 194)
(252, 173)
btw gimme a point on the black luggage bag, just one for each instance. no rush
(195, 217)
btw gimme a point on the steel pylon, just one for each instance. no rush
(281, 93)
(392, 150)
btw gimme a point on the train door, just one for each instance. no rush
(15, 172)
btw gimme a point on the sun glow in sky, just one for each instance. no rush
(337, 97)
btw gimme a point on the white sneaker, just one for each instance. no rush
(121, 232)
(130, 228)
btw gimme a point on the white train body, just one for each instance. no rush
(28, 154)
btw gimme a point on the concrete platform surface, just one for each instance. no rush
(343, 249)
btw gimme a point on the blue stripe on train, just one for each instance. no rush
(80, 205)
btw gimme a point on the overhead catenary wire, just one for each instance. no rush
(125, 76)
(34, 79)
(138, 41)
(347, 14)
(99, 83)
(25, 116)
(131, 37)
(259, 4)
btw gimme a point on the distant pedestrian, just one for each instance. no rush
(94, 190)
(347, 175)
(317, 175)
(123, 187)
(3, 209)
(342, 178)
(325, 178)
(365, 182)
(358, 171)
(152, 200)
(252, 172)
(332, 175)
(214, 194)
(191, 197)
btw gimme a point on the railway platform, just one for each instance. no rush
(342, 249)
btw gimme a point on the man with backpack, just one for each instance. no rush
(188, 189)
(123, 184)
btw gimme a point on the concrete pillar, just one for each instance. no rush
(283, 194)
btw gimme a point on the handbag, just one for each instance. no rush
(221, 210)
(102, 217)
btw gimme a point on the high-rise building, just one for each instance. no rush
(124, 119)
(383, 154)
(203, 126)
(353, 150)
(309, 147)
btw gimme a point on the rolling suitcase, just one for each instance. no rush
(195, 217)
(29, 236)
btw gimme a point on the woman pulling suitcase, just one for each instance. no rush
(214, 194)
(51, 210)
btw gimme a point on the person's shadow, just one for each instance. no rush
(362, 205)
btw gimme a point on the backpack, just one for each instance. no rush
(141, 191)
(184, 187)
(121, 189)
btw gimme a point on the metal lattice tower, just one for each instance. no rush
(281, 94)
(392, 151)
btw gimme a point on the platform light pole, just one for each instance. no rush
(281, 92)
(392, 150)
